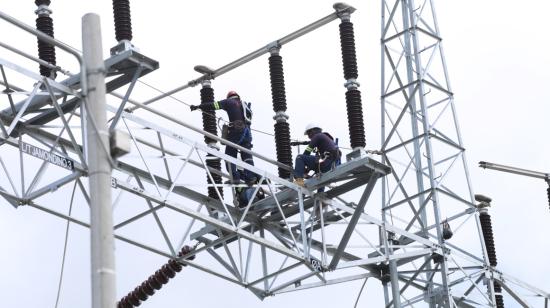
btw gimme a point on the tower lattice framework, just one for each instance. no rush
(429, 190)
(295, 238)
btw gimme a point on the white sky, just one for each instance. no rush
(496, 52)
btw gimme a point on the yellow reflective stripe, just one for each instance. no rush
(216, 105)
(309, 149)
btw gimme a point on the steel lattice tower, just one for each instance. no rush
(429, 185)
(295, 238)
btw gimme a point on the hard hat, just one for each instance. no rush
(232, 93)
(311, 126)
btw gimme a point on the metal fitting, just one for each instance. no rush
(273, 48)
(484, 203)
(343, 10)
(351, 84)
(280, 116)
(122, 46)
(43, 10)
(207, 83)
(206, 71)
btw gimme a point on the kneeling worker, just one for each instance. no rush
(327, 149)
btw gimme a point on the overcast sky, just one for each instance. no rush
(499, 66)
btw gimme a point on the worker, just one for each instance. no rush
(238, 132)
(327, 150)
(245, 194)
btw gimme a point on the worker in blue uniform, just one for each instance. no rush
(327, 150)
(238, 132)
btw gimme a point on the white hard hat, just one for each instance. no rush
(311, 126)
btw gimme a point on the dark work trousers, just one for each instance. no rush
(244, 139)
(312, 163)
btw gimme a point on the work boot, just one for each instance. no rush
(299, 182)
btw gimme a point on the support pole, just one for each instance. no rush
(101, 219)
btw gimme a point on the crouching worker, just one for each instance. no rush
(328, 154)
(239, 115)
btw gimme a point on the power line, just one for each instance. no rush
(65, 248)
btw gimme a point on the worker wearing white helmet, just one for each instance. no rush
(326, 148)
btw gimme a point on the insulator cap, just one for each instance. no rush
(42, 2)
(123, 20)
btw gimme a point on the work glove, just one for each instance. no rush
(193, 107)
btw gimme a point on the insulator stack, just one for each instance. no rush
(123, 20)
(208, 116)
(44, 23)
(548, 193)
(353, 95)
(209, 125)
(347, 43)
(355, 118)
(282, 143)
(277, 82)
(155, 282)
(498, 295)
(214, 163)
(487, 228)
(278, 95)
